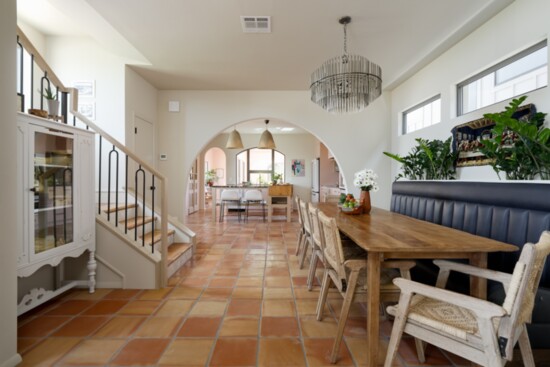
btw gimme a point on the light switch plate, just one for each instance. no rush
(173, 106)
(163, 157)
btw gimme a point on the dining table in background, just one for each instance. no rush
(388, 235)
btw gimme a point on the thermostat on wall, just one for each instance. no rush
(163, 157)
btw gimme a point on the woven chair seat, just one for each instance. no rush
(442, 316)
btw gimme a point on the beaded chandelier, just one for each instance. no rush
(347, 83)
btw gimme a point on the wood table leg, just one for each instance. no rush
(478, 286)
(373, 307)
(213, 191)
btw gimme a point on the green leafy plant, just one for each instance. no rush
(210, 177)
(48, 94)
(429, 160)
(519, 148)
(276, 177)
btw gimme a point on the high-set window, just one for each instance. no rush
(517, 75)
(423, 114)
(258, 165)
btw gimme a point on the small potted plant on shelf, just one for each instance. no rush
(210, 177)
(275, 178)
(51, 98)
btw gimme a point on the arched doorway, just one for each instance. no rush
(215, 171)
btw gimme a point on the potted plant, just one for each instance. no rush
(51, 98)
(276, 177)
(520, 147)
(210, 177)
(429, 160)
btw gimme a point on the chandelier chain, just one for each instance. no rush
(345, 56)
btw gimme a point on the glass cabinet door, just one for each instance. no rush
(53, 191)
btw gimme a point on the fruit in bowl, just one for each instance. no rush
(349, 203)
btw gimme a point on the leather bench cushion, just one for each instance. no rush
(514, 213)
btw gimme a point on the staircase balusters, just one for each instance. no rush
(112, 153)
(153, 213)
(99, 176)
(126, 198)
(136, 188)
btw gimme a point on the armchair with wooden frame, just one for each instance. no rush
(480, 331)
(347, 271)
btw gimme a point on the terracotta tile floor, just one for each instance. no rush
(241, 302)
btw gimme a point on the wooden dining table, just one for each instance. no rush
(387, 235)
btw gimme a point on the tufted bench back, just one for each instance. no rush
(511, 212)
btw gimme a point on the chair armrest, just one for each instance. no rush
(497, 276)
(482, 308)
(355, 264)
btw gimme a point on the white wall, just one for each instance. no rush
(81, 58)
(520, 25)
(141, 101)
(11, 219)
(357, 140)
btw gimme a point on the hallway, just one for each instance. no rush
(241, 302)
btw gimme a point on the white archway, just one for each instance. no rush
(357, 140)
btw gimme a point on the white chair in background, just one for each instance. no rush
(254, 198)
(231, 198)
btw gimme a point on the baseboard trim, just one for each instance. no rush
(13, 361)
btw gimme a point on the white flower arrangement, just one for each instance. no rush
(365, 179)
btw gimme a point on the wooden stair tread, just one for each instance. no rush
(175, 250)
(156, 237)
(137, 221)
(114, 208)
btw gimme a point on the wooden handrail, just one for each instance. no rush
(39, 60)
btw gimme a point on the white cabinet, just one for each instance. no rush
(56, 186)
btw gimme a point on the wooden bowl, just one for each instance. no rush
(39, 113)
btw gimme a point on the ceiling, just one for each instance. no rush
(200, 45)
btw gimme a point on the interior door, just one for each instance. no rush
(144, 140)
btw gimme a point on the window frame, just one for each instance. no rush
(270, 172)
(459, 87)
(414, 108)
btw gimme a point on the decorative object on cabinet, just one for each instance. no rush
(520, 145)
(56, 187)
(429, 160)
(468, 137)
(298, 167)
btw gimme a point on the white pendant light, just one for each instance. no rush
(266, 140)
(234, 141)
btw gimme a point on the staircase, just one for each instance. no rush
(137, 246)
(138, 226)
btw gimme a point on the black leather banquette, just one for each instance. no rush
(510, 212)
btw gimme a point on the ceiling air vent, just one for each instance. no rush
(256, 24)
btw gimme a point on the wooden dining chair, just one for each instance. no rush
(346, 269)
(301, 230)
(477, 330)
(316, 245)
(306, 242)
